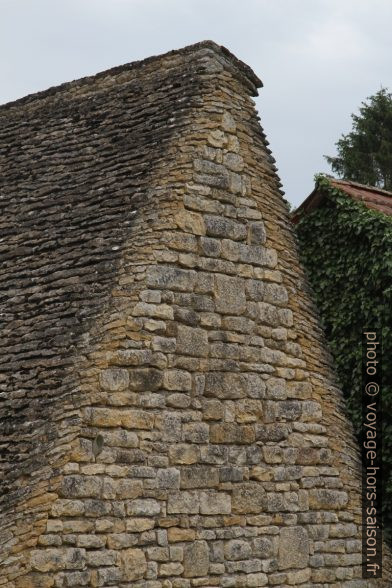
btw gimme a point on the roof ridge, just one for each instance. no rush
(362, 186)
(244, 70)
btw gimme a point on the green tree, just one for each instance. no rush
(365, 154)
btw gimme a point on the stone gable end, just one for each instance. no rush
(170, 415)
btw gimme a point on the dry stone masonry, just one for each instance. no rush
(170, 417)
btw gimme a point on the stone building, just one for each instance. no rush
(344, 234)
(170, 417)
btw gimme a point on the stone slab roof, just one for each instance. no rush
(75, 163)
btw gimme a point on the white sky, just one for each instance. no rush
(318, 59)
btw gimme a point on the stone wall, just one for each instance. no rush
(188, 430)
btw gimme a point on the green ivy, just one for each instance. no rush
(346, 249)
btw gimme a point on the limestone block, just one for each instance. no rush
(210, 247)
(176, 553)
(158, 553)
(290, 410)
(237, 549)
(192, 341)
(75, 579)
(311, 411)
(258, 579)
(248, 498)
(128, 489)
(134, 564)
(68, 508)
(107, 576)
(168, 478)
(138, 525)
(302, 576)
(145, 379)
(293, 548)
(171, 278)
(326, 499)
(226, 385)
(232, 433)
(262, 547)
(225, 228)
(214, 454)
(256, 233)
(196, 559)
(101, 557)
(114, 379)
(177, 380)
(120, 438)
(81, 486)
(48, 560)
(233, 162)
(300, 390)
(176, 534)
(248, 410)
(255, 290)
(217, 138)
(192, 222)
(228, 123)
(275, 294)
(213, 503)
(276, 388)
(144, 507)
(171, 569)
(229, 295)
(200, 476)
(212, 410)
(273, 432)
(196, 432)
(184, 454)
(178, 400)
(137, 419)
(90, 541)
(183, 502)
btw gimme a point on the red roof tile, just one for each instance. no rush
(374, 198)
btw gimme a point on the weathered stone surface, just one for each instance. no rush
(248, 498)
(177, 380)
(114, 379)
(145, 379)
(230, 295)
(232, 433)
(199, 477)
(225, 228)
(293, 548)
(183, 502)
(327, 499)
(232, 386)
(134, 564)
(184, 454)
(48, 560)
(168, 478)
(144, 507)
(162, 276)
(177, 534)
(169, 417)
(215, 503)
(191, 341)
(237, 550)
(196, 559)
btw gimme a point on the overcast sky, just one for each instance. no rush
(318, 59)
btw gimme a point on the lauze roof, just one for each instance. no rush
(76, 163)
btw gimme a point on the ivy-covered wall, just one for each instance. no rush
(346, 249)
